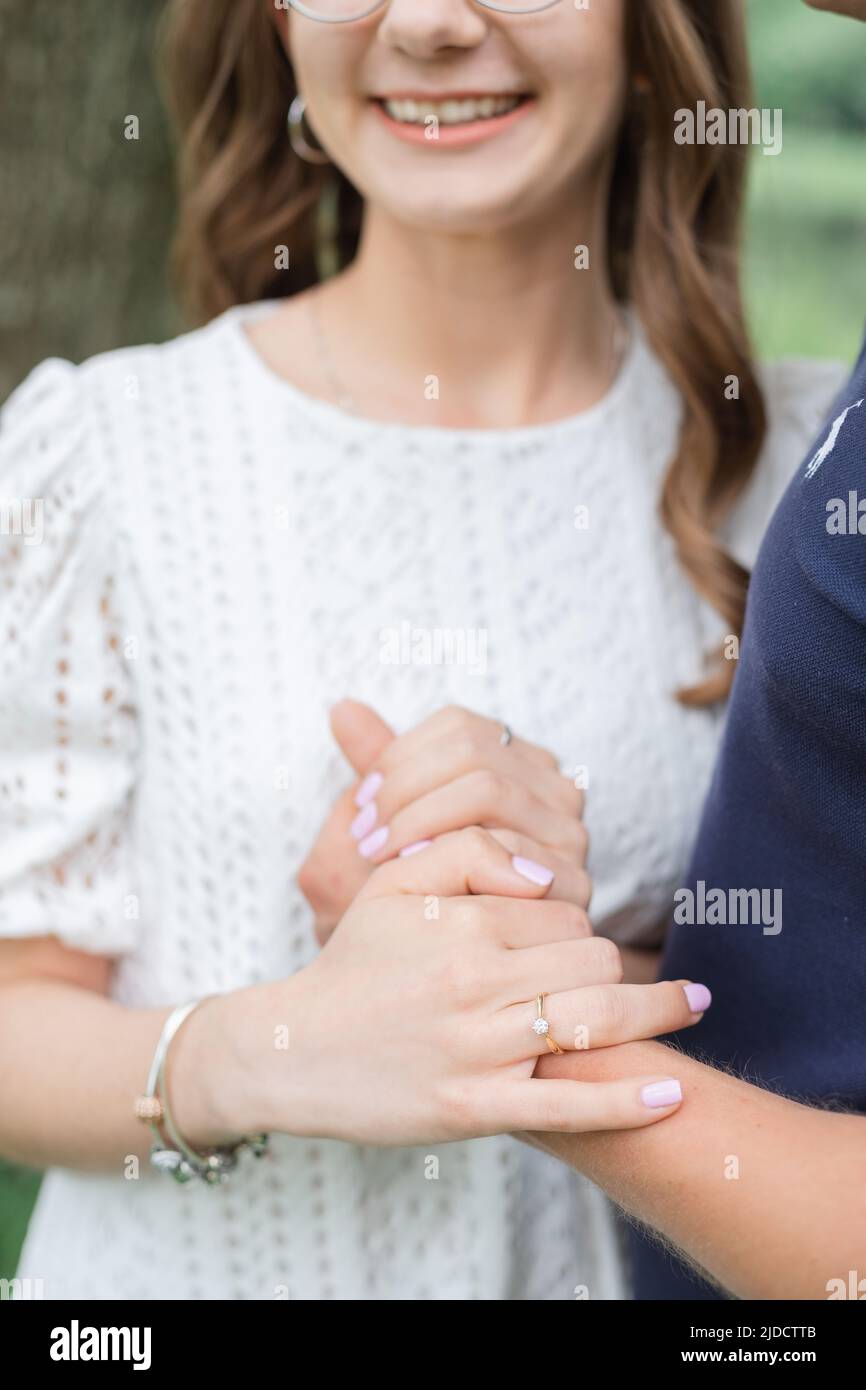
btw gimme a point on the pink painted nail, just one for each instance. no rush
(660, 1093)
(365, 820)
(373, 842)
(413, 849)
(536, 873)
(698, 996)
(368, 788)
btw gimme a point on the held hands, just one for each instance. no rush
(415, 1023)
(450, 772)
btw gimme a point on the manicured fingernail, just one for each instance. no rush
(368, 788)
(699, 997)
(365, 820)
(413, 849)
(660, 1093)
(373, 842)
(536, 873)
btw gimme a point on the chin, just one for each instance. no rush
(444, 211)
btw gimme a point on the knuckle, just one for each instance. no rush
(457, 1106)
(513, 843)
(576, 920)
(456, 717)
(462, 975)
(585, 890)
(554, 1118)
(610, 1011)
(487, 787)
(465, 749)
(309, 880)
(476, 841)
(608, 957)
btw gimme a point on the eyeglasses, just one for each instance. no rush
(347, 11)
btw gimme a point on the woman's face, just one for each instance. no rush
(459, 118)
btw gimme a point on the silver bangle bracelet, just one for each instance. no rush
(178, 1158)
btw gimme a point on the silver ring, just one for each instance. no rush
(506, 736)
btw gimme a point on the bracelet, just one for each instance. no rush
(177, 1157)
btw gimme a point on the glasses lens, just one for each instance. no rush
(342, 11)
(519, 6)
(336, 11)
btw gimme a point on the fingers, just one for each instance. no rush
(572, 883)
(482, 797)
(466, 862)
(453, 723)
(441, 762)
(514, 925)
(556, 966)
(602, 1016)
(361, 734)
(576, 1107)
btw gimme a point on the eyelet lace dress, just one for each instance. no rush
(200, 560)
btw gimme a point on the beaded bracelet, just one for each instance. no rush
(177, 1157)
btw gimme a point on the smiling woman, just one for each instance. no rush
(315, 466)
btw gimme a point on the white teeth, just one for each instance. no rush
(450, 112)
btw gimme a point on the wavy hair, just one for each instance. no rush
(674, 218)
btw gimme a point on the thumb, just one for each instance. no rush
(361, 734)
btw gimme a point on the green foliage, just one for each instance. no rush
(805, 269)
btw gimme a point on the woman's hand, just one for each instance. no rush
(450, 772)
(415, 1023)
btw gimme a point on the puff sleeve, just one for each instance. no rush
(67, 717)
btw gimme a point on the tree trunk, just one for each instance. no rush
(87, 211)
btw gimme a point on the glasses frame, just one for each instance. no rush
(499, 8)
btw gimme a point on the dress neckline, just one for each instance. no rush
(335, 417)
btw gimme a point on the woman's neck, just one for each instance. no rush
(492, 331)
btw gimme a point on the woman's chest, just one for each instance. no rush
(546, 597)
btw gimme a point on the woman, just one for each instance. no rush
(535, 339)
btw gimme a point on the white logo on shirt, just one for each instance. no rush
(830, 442)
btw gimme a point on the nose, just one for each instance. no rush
(424, 28)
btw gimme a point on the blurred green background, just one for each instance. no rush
(84, 233)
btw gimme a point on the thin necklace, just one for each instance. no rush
(338, 389)
(619, 344)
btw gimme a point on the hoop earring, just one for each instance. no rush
(301, 145)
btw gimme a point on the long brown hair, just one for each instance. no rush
(674, 217)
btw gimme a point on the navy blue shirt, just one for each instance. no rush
(786, 813)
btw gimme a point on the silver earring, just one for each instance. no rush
(298, 138)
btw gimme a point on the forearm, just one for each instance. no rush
(72, 1063)
(765, 1194)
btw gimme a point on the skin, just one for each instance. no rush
(781, 1229)
(855, 9)
(413, 1024)
(795, 1220)
(466, 264)
(449, 773)
(465, 270)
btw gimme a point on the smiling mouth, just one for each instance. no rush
(450, 111)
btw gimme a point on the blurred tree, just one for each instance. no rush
(87, 210)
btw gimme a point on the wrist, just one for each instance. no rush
(212, 1071)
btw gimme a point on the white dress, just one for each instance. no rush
(219, 559)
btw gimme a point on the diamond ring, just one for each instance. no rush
(541, 1027)
(506, 736)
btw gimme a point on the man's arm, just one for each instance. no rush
(767, 1195)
